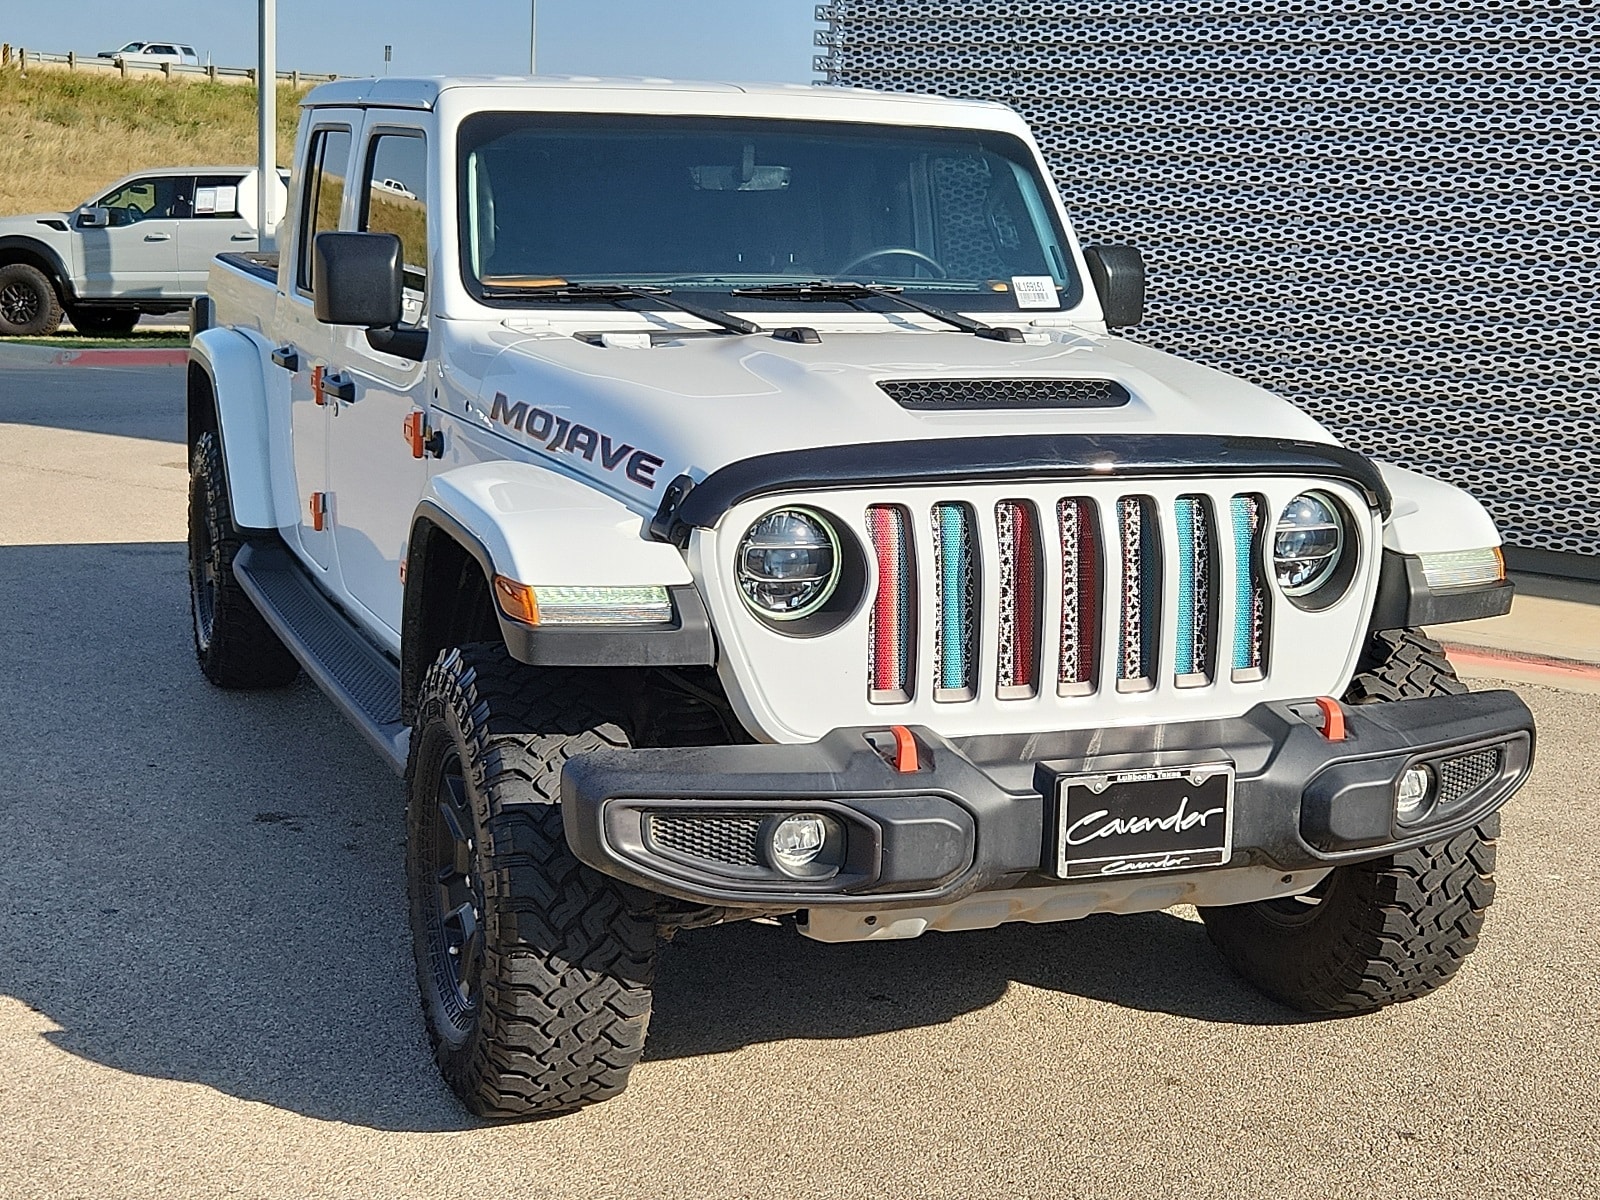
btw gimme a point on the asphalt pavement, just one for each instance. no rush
(206, 984)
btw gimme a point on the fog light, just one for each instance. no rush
(806, 845)
(1411, 794)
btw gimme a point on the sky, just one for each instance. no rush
(745, 40)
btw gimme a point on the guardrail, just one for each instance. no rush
(23, 58)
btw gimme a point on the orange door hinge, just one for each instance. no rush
(423, 441)
(319, 510)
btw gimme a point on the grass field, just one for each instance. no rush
(139, 339)
(65, 135)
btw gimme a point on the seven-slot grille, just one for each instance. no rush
(1133, 534)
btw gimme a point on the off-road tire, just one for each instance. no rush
(104, 322)
(543, 1008)
(235, 645)
(29, 306)
(1382, 931)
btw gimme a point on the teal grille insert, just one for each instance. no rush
(955, 567)
(1188, 515)
(1192, 661)
(1249, 600)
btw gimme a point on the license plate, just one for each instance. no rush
(1142, 822)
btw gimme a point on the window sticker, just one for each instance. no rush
(1035, 291)
(216, 201)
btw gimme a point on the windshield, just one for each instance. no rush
(714, 204)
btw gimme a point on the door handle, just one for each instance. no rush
(339, 387)
(158, 237)
(243, 237)
(288, 358)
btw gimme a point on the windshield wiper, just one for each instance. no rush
(827, 289)
(616, 293)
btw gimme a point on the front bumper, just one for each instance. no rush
(980, 813)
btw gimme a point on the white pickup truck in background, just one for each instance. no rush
(144, 245)
(725, 503)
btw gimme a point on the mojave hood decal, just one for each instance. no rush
(629, 418)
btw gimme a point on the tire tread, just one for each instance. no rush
(568, 966)
(1390, 929)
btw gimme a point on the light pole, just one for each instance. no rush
(533, 38)
(267, 125)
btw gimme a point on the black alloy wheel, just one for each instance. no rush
(454, 915)
(28, 303)
(232, 641)
(19, 304)
(203, 574)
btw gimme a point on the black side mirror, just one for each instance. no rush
(359, 279)
(1118, 276)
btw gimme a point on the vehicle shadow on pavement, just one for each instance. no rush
(197, 885)
(207, 886)
(724, 988)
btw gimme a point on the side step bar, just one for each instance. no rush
(358, 677)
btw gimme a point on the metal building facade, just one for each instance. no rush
(1386, 213)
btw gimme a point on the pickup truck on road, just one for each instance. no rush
(144, 245)
(722, 503)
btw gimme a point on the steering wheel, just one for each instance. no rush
(902, 251)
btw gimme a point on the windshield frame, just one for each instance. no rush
(485, 125)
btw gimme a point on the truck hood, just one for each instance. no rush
(35, 224)
(699, 403)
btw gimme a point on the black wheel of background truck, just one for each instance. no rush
(534, 972)
(29, 306)
(1377, 932)
(235, 646)
(104, 321)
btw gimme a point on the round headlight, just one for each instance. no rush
(1307, 543)
(789, 564)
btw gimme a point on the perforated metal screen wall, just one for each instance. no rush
(1386, 212)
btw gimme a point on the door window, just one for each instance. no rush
(395, 200)
(327, 160)
(217, 196)
(160, 198)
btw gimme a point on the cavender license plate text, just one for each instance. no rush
(1139, 822)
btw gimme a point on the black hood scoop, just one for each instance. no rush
(988, 395)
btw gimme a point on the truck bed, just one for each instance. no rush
(263, 265)
(244, 286)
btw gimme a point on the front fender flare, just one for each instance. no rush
(1431, 516)
(534, 526)
(21, 247)
(232, 362)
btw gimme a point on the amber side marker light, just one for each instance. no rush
(517, 599)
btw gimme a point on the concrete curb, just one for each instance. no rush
(64, 356)
(1488, 661)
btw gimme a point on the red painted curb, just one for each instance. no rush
(171, 357)
(1485, 656)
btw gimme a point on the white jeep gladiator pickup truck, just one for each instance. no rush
(724, 502)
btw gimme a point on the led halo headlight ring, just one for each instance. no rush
(1308, 544)
(789, 563)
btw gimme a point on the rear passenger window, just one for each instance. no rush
(327, 160)
(395, 200)
(217, 195)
